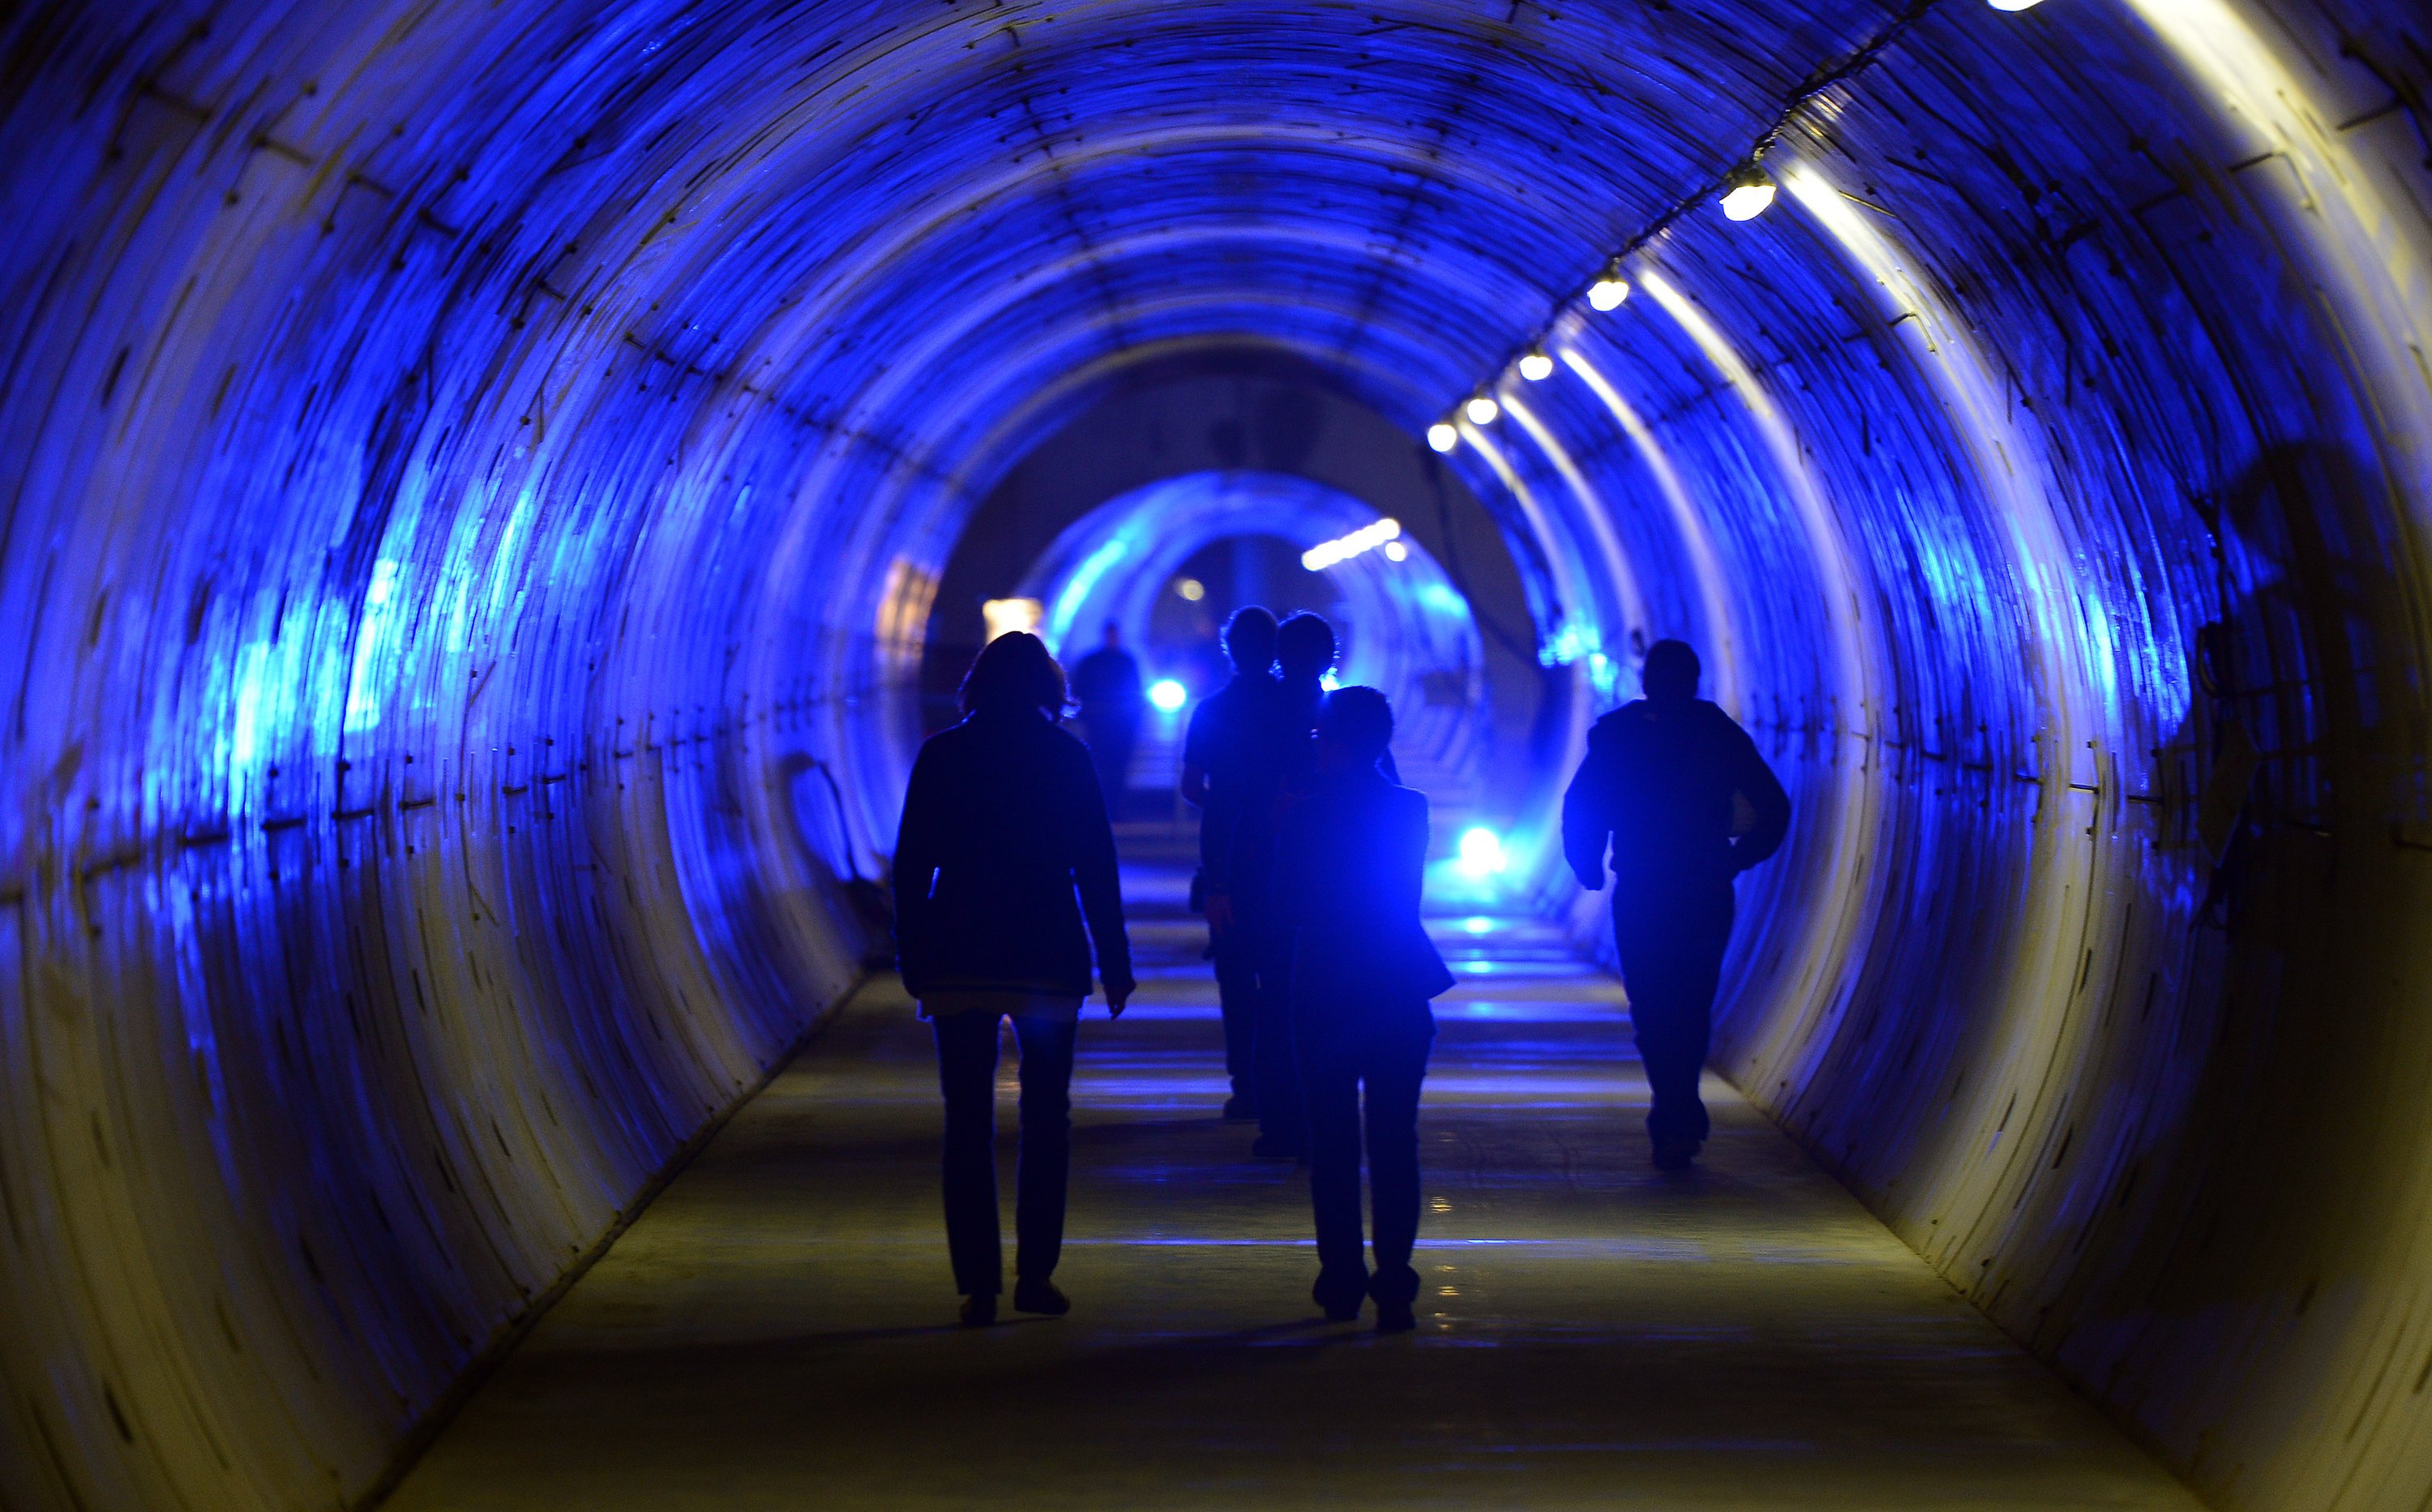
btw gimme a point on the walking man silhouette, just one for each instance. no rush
(1107, 683)
(1285, 757)
(1678, 789)
(1221, 772)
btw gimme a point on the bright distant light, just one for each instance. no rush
(1397, 551)
(1482, 411)
(1749, 201)
(1343, 548)
(1536, 366)
(1443, 438)
(2011, 5)
(1168, 694)
(1608, 292)
(1478, 924)
(1482, 853)
(1189, 589)
(1006, 616)
(1329, 682)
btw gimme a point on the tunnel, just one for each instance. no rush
(489, 488)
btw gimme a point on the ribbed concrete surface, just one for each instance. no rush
(777, 1330)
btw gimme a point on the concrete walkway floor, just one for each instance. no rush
(777, 1330)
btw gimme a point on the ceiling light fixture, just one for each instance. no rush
(1745, 193)
(1609, 288)
(1749, 196)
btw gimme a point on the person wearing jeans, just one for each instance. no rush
(1004, 850)
(966, 1055)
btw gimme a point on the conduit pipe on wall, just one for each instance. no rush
(479, 475)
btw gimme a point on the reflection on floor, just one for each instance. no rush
(777, 1330)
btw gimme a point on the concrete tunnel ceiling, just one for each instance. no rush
(477, 475)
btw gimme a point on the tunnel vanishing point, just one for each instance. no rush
(474, 480)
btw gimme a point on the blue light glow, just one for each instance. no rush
(1405, 627)
(1078, 587)
(1168, 695)
(1482, 853)
(1569, 643)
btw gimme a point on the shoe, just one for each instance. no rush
(1339, 1309)
(1395, 1317)
(1038, 1295)
(1241, 1109)
(1675, 1155)
(1267, 1148)
(979, 1309)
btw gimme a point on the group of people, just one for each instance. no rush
(1312, 864)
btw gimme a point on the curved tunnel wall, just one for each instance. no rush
(479, 475)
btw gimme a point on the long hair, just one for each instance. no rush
(1015, 672)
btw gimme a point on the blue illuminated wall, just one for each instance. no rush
(478, 478)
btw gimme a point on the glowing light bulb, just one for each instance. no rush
(1397, 551)
(2012, 4)
(1443, 438)
(1482, 411)
(1750, 195)
(1168, 694)
(1608, 291)
(1536, 366)
(1189, 589)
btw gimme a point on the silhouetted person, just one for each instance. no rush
(1220, 757)
(1306, 649)
(1003, 826)
(1664, 780)
(1107, 683)
(1283, 761)
(1350, 858)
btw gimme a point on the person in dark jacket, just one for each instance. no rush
(1219, 762)
(1108, 682)
(1687, 804)
(1003, 826)
(1280, 762)
(1350, 862)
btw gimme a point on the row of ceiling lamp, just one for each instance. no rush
(1746, 194)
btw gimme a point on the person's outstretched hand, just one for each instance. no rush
(1119, 991)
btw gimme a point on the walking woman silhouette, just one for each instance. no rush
(1004, 849)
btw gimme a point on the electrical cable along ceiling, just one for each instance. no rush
(477, 474)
